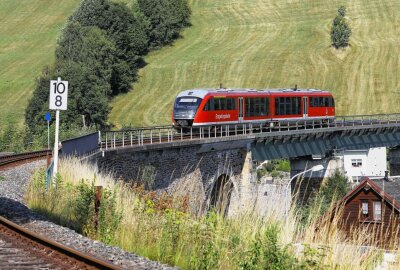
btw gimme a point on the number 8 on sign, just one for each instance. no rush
(58, 94)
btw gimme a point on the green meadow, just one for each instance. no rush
(241, 44)
(272, 44)
(28, 38)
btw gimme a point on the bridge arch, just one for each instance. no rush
(220, 195)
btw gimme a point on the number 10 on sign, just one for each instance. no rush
(58, 95)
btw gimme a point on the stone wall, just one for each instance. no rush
(183, 171)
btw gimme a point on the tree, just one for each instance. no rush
(87, 46)
(127, 33)
(85, 58)
(335, 187)
(165, 19)
(342, 11)
(340, 32)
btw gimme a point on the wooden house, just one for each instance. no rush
(374, 205)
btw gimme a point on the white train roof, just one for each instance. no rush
(201, 93)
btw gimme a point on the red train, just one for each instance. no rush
(201, 107)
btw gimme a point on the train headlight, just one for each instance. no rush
(182, 122)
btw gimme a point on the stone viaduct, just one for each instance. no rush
(207, 168)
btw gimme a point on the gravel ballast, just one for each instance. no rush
(13, 184)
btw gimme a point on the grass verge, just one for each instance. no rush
(161, 227)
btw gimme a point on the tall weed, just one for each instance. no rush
(161, 227)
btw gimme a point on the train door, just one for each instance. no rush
(240, 109)
(305, 107)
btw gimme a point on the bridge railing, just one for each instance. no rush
(167, 134)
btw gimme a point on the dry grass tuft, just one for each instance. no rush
(160, 226)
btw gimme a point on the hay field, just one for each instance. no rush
(28, 37)
(274, 43)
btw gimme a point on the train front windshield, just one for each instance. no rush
(186, 107)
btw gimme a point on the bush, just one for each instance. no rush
(165, 19)
(340, 32)
(332, 190)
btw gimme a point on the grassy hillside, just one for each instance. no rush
(274, 43)
(28, 35)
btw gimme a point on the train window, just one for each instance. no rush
(287, 105)
(187, 102)
(209, 105)
(231, 104)
(313, 102)
(326, 101)
(258, 106)
(219, 104)
(321, 102)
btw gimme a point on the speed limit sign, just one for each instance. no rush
(58, 94)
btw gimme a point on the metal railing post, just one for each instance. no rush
(131, 138)
(123, 139)
(114, 140)
(151, 136)
(191, 133)
(106, 142)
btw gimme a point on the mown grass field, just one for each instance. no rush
(274, 43)
(28, 37)
(241, 43)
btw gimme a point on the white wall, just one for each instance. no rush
(373, 163)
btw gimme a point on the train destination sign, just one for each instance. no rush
(58, 95)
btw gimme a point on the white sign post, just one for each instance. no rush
(58, 101)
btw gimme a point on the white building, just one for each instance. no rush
(358, 163)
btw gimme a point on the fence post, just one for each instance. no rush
(97, 200)
(106, 141)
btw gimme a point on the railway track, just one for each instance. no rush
(23, 249)
(12, 160)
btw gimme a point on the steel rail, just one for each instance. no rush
(72, 256)
(9, 159)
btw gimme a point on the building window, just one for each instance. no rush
(356, 179)
(377, 206)
(364, 208)
(356, 162)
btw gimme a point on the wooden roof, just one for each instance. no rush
(377, 187)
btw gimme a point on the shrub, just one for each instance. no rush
(342, 11)
(340, 32)
(165, 19)
(333, 189)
